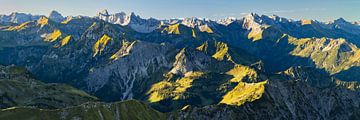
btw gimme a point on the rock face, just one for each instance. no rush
(131, 74)
(56, 16)
(18, 18)
(132, 20)
(189, 60)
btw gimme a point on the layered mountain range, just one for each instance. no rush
(255, 67)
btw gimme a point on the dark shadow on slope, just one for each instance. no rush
(273, 49)
(22, 55)
(351, 74)
(313, 76)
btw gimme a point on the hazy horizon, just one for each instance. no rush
(320, 10)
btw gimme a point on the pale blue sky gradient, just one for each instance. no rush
(323, 10)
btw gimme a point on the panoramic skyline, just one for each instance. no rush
(214, 9)
(98, 66)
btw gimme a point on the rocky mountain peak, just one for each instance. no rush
(56, 16)
(19, 18)
(135, 18)
(276, 18)
(357, 22)
(193, 22)
(103, 12)
(132, 20)
(120, 18)
(252, 20)
(226, 21)
(103, 15)
(132, 14)
(179, 65)
(252, 17)
(340, 21)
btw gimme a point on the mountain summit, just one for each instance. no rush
(16, 17)
(132, 20)
(56, 16)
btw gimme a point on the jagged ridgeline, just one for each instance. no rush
(256, 67)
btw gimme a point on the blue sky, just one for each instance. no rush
(323, 10)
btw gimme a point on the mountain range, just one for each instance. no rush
(255, 67)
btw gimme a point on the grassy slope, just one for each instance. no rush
(18, 88)
(126, 110)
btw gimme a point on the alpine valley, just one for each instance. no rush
(121, 66)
